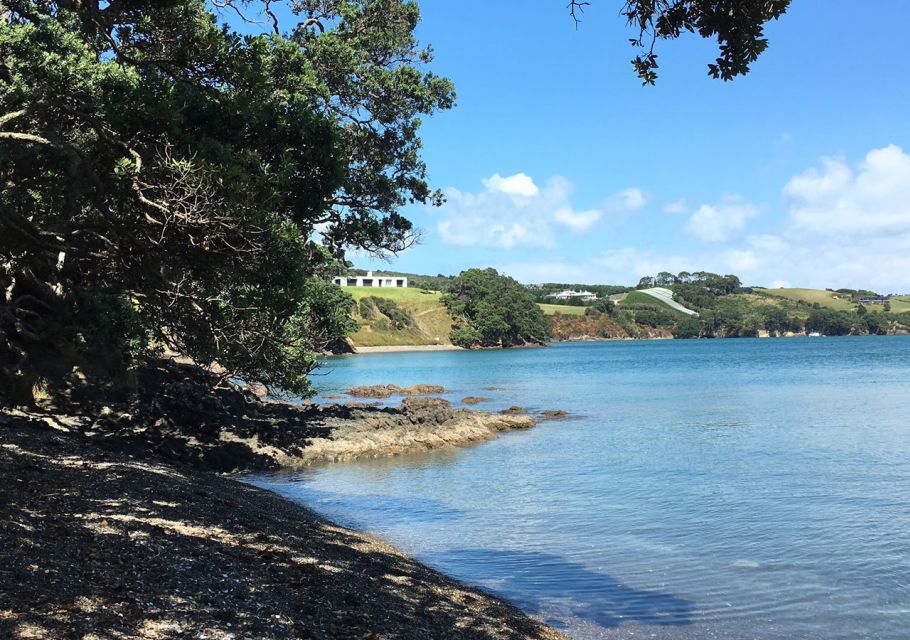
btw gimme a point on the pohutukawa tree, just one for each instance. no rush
(168, 182)
(737, 25)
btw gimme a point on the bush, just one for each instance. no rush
(493, 310)
(398, 317)
(688, 328)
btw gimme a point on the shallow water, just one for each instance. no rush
(702, 489)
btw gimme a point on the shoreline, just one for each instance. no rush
(103, 543)
(407, 348)
(114, 511)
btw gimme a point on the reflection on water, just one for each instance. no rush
(729, 489)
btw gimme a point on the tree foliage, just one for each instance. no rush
(168, 182)
(493, 310)
(737, 25)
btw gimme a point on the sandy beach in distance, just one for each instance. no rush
(404, 348)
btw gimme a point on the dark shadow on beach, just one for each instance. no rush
(95, 543)
(531, 579)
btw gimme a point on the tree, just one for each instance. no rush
(493, 310)
(604, 305)
(166, 181)
(738, 26)
(688, 328)
(829, 322)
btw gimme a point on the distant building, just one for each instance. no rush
(873, 299)
(369, 280)
(584, 296)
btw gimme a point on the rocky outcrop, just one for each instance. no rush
(389, 390)
(175, 415)
(421, 424)
(514, 411)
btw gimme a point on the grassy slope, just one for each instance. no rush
(900, 304)
(434, 323)
(432, 319)
(833, 300)
(564, 309)
(637, 297)
(827, 299)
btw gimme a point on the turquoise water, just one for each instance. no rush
(702, 489)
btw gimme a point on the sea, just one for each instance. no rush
(740, 488)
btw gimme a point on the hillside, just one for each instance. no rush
(656, 295)
(827, 299)
(413, 318)
(425, 320)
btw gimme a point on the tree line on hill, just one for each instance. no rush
(725, 309)
(493, 310)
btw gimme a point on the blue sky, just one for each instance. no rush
(560, 166)
(691, 174)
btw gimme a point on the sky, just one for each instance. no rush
(558, 166)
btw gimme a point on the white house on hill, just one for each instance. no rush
(584, 296)
(369, 280)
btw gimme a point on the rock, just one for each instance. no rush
(554, 414)
(513, 411)
(427, 410)
(388, 390)
(473, 400)
(257, 389)
(423, 390)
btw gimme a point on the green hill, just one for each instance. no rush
(415, 317)
(831, 299)
(827, 299)
(564, 309)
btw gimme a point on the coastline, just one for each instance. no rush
(98, 542)
(407, 348)
(117, 519)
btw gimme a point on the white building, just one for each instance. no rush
(369, 280)
(584, 296)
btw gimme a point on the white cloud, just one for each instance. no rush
(627, 201)
(677, 207)
(742, 261)
(874, 199)
(846, 225)
(721, 222)
(519, 184)
(578, 220)
(513, 211)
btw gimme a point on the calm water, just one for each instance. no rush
(704, 489)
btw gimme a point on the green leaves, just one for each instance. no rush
(493, 310)
(212, 180)
(737, 25)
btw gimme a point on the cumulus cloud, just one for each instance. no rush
(519, 185)
(845, 225)
(513, 211)
(618, 266)
(721, 222)
(627, 201)
(873, 199)
(677, 207)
